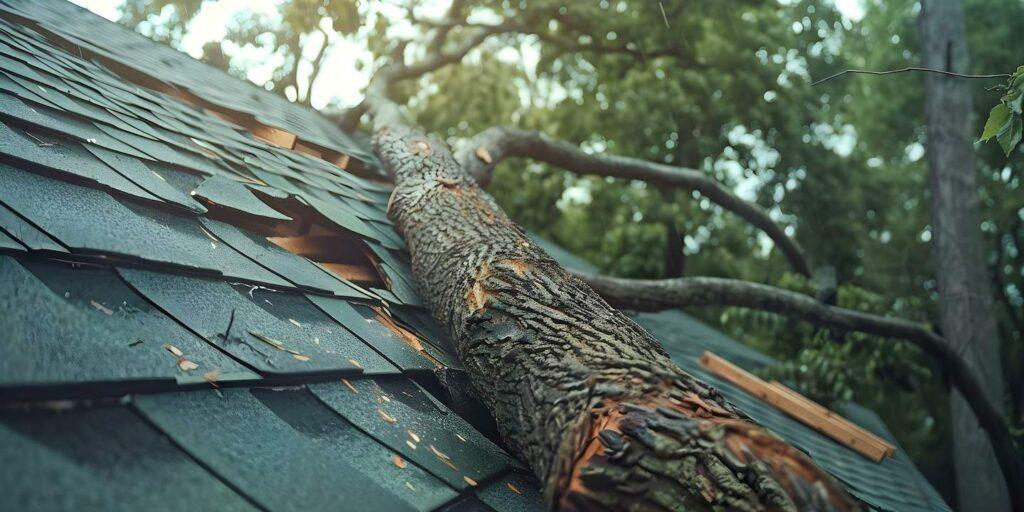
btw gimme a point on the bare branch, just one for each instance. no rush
(653, 295)
(906, 70)
(384, 110)
(499, 143)
(437, 57)
(317, 63)
(451, 20)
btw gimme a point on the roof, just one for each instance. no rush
(195, 316)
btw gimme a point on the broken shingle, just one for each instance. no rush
(90, 220)
(364, 323)
(298, 270)
(228, 193)
(66, 157)
(154, 183)
(17, 228)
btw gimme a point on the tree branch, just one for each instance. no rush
(654, 295)
(317, 63)
(491, 146)
(452, 19)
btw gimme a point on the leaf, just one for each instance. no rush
(997, 118)
(399, 462)
(470, 481)
(301, 357)
(1009, 138)
(1016, 103)
(187, 365)
(174, 350)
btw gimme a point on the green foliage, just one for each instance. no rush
(1004, 121)
(162, 20)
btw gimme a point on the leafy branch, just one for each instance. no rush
(1004, 121)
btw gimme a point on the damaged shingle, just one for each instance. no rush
(228, 193)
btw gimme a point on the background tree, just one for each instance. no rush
(965, 297)
(725, 89)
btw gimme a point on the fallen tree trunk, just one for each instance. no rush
(582, 393)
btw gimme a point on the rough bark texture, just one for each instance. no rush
(965, 299)
(582, 393)
(501, 142)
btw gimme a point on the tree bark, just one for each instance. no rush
(965, 300)
(582, 393)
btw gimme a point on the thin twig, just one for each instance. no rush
(905, 70)
(663, 15)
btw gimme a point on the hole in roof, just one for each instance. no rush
(313, 236)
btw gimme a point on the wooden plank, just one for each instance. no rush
(307, 148)
(836, 418)
(335, 157)
(340, 160)
(323, 248)
(271, 135)
(799, 409)
(356, 273)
